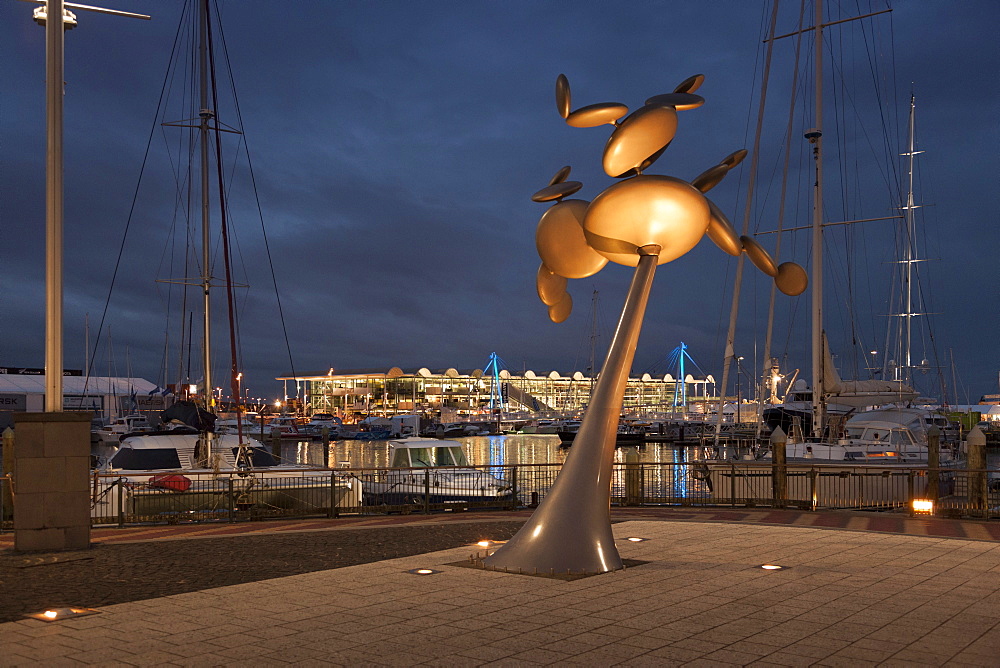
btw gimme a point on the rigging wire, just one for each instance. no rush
(128, 225)
(260, 213)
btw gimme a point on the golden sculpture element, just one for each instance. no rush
(560, 176)
(596, 114)
(760, 257)
(643, 134)
(791, 279)
(731, 160)
(646, 210)
(563, 97)
(721, 231)
(691, 84)
(642, 221)
(550, 286)
(561, 310)
(561, 243)
(710, 178)
(556, 191)
(586, 117)
(678, 101)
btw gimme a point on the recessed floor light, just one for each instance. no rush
(772, 567)
(423, 571)
(489, 543)
(57, 614)
(636, 539)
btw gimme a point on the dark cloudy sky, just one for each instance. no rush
(395, 147)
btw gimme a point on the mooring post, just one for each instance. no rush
(975, 443)
(276, 444)
(779, 468)
(934, 464)
(633, 478)
(327, 459)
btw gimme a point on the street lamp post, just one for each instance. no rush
(54, 76)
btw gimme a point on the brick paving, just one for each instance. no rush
(863, 589)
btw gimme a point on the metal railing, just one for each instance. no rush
(262, 494)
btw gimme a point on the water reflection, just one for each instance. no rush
(481, 450)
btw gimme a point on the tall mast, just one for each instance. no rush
(815, 136)
(593, 336)
(206, 115)
(910, 251)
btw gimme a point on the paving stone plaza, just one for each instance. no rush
(844, 597)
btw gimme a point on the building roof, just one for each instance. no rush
(398, 372)
(35, 384)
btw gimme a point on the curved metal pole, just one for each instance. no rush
(571, 529)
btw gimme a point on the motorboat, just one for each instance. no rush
(883, 436)
(125, 424)
(286, 426)
(626, 435)
(432, 469)
(165, 474)
(104, 438)
(541, 427)
(324, 421)
(233, 426)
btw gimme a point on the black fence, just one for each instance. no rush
(321, 492)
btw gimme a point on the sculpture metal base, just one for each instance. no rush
(571, 528)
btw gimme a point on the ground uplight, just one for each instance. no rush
(57, 614)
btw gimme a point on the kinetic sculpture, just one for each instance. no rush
(641, 221)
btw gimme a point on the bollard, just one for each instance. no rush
(427, 491)
(327, 459)
(934, 464)
(813, 489)
(976, 465)
(779, 468)
(514, 492)
(633, 478)
(276, 444)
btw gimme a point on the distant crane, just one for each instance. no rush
(676, 362)
(493, 367)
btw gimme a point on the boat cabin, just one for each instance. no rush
(415, 452)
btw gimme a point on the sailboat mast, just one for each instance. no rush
(910, 259)
(206, 115)
(816, 137)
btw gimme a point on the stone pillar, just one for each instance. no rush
(975, 441)
(6, 491)
(779, 468)
(52, 481)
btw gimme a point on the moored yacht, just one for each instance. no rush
(166, 473)
(437, 470)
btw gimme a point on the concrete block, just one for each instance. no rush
(78, 537)
(65, 509)
(67, 439)
(27, 540)
(78, 474)
(29, 439)
(52, 510)
(39, 474)
(30, 511)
